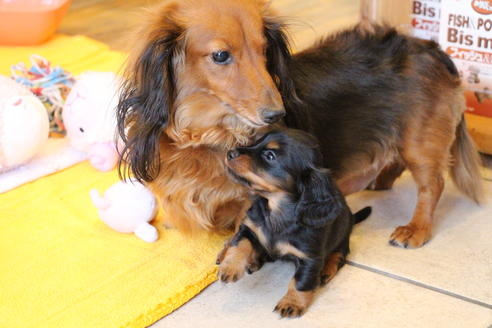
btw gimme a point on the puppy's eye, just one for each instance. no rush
(222, 57)
(269, 155)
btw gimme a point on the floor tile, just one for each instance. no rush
(354, 298)
(458, 258)
(310, 20)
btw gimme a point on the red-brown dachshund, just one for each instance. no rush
(201, 80)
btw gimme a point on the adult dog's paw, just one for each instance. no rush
(410, 236)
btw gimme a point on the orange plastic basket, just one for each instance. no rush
(30, 22)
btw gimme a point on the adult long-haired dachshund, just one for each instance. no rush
(206, 77)
(298, 215)
(201, 80)
(381, 102)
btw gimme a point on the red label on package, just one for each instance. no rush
(482, 6)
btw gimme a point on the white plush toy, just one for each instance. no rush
(24, 124)
(89, 116)
(128, 207)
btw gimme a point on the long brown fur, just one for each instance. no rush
(180, 112)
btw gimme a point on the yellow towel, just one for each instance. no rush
(73, 53)
(60, 266)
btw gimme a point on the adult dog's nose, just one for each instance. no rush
(231, 154)
(272, 115)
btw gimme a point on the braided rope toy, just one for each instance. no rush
(50, 84)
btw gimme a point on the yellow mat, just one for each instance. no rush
(60, 266)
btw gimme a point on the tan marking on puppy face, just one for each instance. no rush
(257, 231)
(263, 182)
(242, 166)
(285, 248)
(273, 145)
(295, 302)
(236, 261)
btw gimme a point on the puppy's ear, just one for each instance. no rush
(146, 97)
(318, 202)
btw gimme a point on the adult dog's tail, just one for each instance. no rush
(465, 166)
(362, 214)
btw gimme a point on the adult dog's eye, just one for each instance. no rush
(269, 155)
(222, 57)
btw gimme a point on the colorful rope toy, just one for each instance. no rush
(50, 84)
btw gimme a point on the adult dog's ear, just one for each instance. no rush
(147, 95)
(278, 56)
(318, 202)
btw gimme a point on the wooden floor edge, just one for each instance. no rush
(480, 128)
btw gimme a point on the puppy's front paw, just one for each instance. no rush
(255, 263)
(223, 252)
(236, 260)
(231, 270)
(410, 236)
(289, 307)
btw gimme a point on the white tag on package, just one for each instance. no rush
(425, 19)
(466, 36)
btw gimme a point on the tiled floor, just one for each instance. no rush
(446, 283)
(457, 260)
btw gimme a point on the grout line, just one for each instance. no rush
(419, 284)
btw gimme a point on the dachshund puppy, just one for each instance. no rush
(202, 79)
(298, 214)
(380, 102)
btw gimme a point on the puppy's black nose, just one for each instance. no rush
(271, 116)
(231, 154)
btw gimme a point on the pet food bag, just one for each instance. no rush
(416, 17)
(466, 36)
(463, 28)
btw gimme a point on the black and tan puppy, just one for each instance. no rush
(298, 214)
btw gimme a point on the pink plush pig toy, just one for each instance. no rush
(89, 116)
(128, 207)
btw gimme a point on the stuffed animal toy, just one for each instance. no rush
(89, 116)
(128, 207)
(24, 124)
